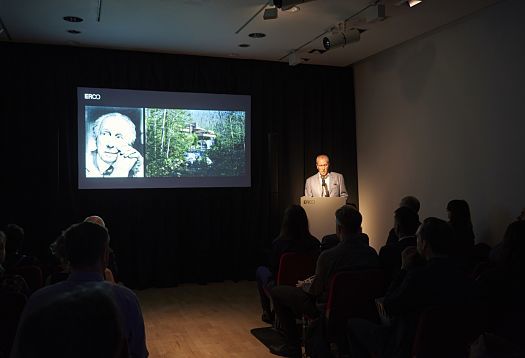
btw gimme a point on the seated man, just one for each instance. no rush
(410, 202)
(84, 323)
(406, 222)
(428, 278)
(87, 246)
(351, 254)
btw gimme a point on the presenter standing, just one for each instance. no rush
(325, 183)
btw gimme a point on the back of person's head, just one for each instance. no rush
(406, 221)
(438, 234)
(459, 213)
(83, 323)
(295, 223)
(15, 237)
(349, 219)
(85, 244)
(95, 220)
(410, 202)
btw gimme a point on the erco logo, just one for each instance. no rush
(91, 96)
(308, 202)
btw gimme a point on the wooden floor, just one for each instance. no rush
(201, 321)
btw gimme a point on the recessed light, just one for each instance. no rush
(244, 45)
(73, 32)
(257, 35)
(73, 18)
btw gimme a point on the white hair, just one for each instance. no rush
(130, 134)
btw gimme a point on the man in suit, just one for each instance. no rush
(325, 183)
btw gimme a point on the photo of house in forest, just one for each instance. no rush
(182, 143)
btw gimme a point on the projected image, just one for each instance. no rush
(134, 139)
(194, 143)
(114, 142)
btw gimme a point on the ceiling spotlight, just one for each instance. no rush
(341, 38)
(413, 2)
(410, 3)
(288, 4)
(270, 13)
(293, 59)
(73, 19)
(257, 35)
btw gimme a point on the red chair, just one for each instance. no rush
(11, 306)
(31, 274)
(448, 331)
(351, 294)
(295, 266)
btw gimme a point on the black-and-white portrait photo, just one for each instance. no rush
(114, 142)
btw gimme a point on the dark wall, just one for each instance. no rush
(166, 236)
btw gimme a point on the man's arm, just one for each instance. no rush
(308, 188)
(342, 187)
(320, 278)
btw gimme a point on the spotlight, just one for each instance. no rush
(287, 4)
(270, 13)
(293, 59)
(341, 38)
(410, 3)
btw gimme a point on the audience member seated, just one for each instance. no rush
(62, 270)
(428, 278)
(111, 272)
(459, 218)
(87, 246)
(9, 282)
(406, 222)
(504, 286)
(410, 202)
(14, 256)
(294, 237)
(290, 302)
(81, 323)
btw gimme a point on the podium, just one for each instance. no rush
(321, 213)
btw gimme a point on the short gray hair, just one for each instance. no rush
(132, 132)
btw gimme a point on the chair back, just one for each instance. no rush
(32, 275)
(11, 306)
(448, 331)
(295, 266)
(352, 294)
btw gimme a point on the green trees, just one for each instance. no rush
(166, 142)
(228, 152)
(175, 142)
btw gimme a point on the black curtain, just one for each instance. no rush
(163, 237)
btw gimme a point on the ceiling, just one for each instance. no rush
(208, 27)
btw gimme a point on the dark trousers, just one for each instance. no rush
(291, 302)
(265, 282)
(366, 338)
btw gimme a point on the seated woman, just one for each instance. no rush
(294, 237)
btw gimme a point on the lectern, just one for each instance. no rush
(321, 213)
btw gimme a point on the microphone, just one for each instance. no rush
(325, 188)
